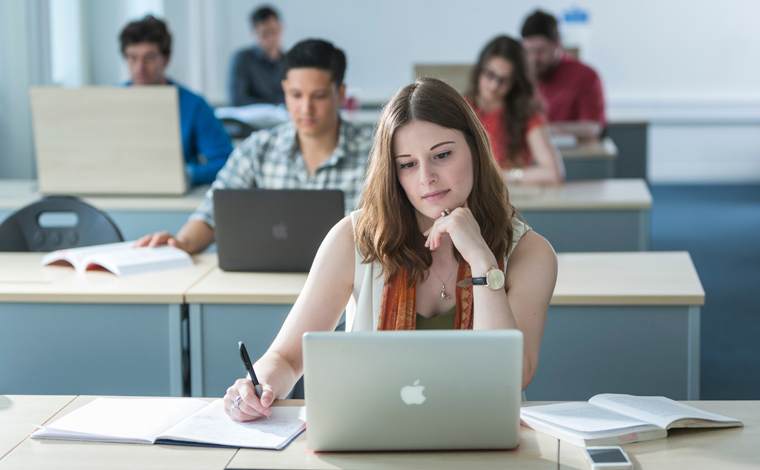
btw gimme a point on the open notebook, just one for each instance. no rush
(186, 421)
(122, 258)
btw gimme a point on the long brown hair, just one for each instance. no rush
(387, 230)
(520, 103)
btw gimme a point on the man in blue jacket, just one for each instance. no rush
(146, 46)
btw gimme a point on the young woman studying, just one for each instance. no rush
(502, 95)
(434, 212)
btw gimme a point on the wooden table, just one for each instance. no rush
(621, 323)
(601, 215)
(536, 451)
(63, 332)
(585, 216)
(692, 449)
(593, 159)
(20, 413)
(618, 322)
(134, 215)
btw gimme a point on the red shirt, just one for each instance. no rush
(572, 92)
(499, 137)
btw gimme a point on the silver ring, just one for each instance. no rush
(446, 212)
(235, 405)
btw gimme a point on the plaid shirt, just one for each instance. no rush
(271, 159)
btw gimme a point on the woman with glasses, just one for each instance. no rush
(502, 95)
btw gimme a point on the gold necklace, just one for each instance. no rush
(444, 296)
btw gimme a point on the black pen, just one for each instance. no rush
(249, 368)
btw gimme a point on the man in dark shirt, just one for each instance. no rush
(256, 73)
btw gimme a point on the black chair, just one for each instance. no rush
(22, 230)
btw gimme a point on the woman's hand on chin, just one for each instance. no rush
(464, 231)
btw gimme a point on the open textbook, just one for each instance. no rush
(612, 419)
(122, 259)
(186, 421)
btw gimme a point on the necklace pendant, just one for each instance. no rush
(443, 293)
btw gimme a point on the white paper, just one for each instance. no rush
(211, 425)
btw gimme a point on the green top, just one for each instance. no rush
(444, 321)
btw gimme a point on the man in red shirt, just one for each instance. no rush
(571, 91)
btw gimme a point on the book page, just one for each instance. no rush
(212, 426)
(75, 255)
(130, 260)
(122, 419)
(583, 417)
(658, 410)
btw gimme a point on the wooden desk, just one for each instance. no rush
(536, 451)
(612, 320)
(594, 159)
(20, 413)
(692, 449)
(134, 215)
(51, 454)
(621, 323)
(585, 216)
(63, 332)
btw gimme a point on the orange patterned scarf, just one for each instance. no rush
(398, 310)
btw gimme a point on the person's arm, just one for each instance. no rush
(549, 168)
(531, 274)
(212, 142)
(318, 308)
(194, 237)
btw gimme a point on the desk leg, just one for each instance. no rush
(694, 356)
(175, 351)
(644, 230)
(196, 350)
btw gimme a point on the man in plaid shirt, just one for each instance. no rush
(315, 150)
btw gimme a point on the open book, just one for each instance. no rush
(611, 419)
(122, 259)
(174, 421)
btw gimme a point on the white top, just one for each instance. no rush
(363, 310)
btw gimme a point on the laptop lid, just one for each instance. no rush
(108, 140)
(418, 390)
(273, 230)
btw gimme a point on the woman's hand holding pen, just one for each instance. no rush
(249, 406)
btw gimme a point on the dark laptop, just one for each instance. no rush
(273, 230)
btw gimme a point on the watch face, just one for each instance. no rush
(495, 279)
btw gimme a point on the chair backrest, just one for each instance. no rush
(22, 230)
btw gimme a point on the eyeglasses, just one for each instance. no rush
(501, 81)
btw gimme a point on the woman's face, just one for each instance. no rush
(495, 80)
(434, 166)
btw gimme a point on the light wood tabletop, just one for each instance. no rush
(692, 449)
(17, 193)
(22, 279)
(595, 148)
(605, 194)
(536, 451)
(53, 454)
(631, 278)
(19, 414)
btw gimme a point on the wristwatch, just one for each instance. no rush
(494, 280)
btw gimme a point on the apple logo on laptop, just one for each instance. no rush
(412, 394)
(280, 231)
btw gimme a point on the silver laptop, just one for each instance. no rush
(273, 230)
(108, 140)
(419, 390)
